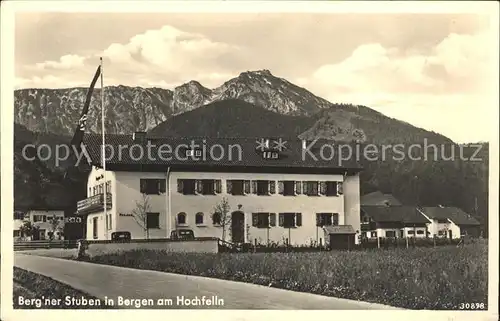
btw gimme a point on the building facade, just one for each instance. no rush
(266, 204)
(393, 222)
(450, 222)
(49, 224)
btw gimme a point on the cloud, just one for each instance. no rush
(372, 67)
(164, 56)
(422, 88)
(65, 62)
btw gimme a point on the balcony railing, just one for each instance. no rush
(93, 204)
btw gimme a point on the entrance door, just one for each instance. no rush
(94, 227)
(449, 232)
(238, 227)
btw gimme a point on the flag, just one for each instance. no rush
(82, 121)
(76, 141)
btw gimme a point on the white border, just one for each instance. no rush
(8, 9)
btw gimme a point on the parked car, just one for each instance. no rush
(182, 234)
(120, 236)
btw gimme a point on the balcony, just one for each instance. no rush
(93, 204)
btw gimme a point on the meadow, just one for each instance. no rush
(440, 278)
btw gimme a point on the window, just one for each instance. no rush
(153, 220)
(153, 186)
(186, 186)
(420, 232)
(216, 218)
(39, 218)
(100, 189)
(16, 233)
(109, 222)
(374, 234)
(260, 220)
(287, 188)
(441, 232)
(108, 187)
(262, 187)
(390, 233)
(327, 219)
(411, 232)
(311, 188)
(181, 218)
(94, 227)
(238, 187)
(331, 189)
(207, 187)
(19, 216)
(290, 220)
(199, 218)
(94, 191)
(366, 219)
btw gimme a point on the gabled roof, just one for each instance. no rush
(455, 214)
(394, 214)
(378, 199)
(339, 229)
(292, 157)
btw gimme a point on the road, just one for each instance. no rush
(109, 281)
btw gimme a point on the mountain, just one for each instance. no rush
(232, 118)
(254, 104)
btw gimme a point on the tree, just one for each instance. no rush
(221, 216)
(55, 226)
(28, 230)
(140, 213)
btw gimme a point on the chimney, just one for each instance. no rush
(139, 136)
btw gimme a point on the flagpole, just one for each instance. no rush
(104, 151)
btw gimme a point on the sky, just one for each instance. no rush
(431, 70)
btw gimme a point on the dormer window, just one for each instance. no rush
(193, 153)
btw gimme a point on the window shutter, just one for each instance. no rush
(272, 219)
(199, 186)
(305, 188)
(254, 187)
(229, 186)
(255, 219)
(298, 219)
(318, 219)
(163, 186)
(322, 188)
(281, 187)
(281, 219)
(180, 185)
(246, 187)
(272, 187)
(218, 186)
(340, 188)
(298, 187)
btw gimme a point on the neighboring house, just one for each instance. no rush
(43, 219)
(450, 222)
(275, 196)
(379, 199)
(392, 221)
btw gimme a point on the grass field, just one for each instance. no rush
(416, 278)
(35, 288)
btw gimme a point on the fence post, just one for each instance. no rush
(407, 241)
(378, 241)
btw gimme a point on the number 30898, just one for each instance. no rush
(471, 306)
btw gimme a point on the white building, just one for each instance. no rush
(450, 222)
(274, 196)
(47, 221)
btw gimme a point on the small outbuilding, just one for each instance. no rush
(340, 237)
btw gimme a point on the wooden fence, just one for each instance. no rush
(33, 245)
